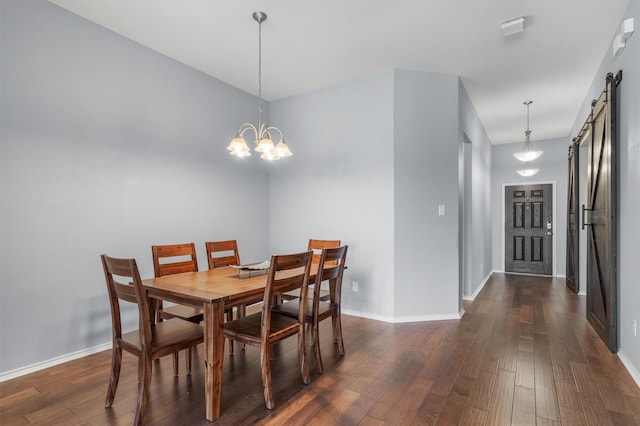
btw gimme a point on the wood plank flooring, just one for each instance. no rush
(523, 354)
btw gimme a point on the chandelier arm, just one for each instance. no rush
(268, 129)
(247, 126)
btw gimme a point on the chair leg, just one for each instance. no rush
(116, 363)
(337, 329)
(230, 318)
(241, 312)
(158, 312)
(334, 325)
(310, 332)
(316, 347)
(302, 357)
(189, 356)
(143, 390)
(265, 367)
(175, 363)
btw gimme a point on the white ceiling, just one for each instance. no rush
(309, 45)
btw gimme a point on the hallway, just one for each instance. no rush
(542, 357)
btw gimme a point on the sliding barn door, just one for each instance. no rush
(573, 250)
(600, 215)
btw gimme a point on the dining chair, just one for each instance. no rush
(330, 268)
(317, 245)
(230, 254)
(263, 329)
(219, 255)
(151, 341)
(175, 259)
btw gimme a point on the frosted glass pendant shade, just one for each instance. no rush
(238, 147)
(527, 155)
(527, 171)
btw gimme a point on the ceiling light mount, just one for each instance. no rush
(259, 16)
(262, 132)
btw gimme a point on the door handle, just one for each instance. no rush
(549, 233)
(584, 217)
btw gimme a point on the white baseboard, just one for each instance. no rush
(424, 318)
(480, 287)
(12, 374)
(367, 315)
(632, 369)
(398, 320)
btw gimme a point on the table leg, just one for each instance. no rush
(213, 356)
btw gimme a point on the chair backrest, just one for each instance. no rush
(318, 245)
(124, 283)
(286, 273)
(230, 256)
(187, 262)
(330, 267)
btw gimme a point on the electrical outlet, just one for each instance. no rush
(354, 285)
(635, 328)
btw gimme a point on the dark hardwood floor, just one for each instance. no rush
(523, 354)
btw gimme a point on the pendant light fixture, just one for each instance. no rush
(262, 133)
(527, 170)
(528, 153)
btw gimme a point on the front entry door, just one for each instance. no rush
(528, 229)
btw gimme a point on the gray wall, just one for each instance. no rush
(426, 176)
(107, 147)
(373, 172)
(341, 179)
(477, 185)
(553, 168)
(629, 179)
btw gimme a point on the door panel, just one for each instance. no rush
(602, 311)
(573, 232)
(528, 229)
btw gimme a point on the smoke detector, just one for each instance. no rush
(512, 26)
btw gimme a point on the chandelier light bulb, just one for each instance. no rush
(283, 149)
(238, 147)
(265, 144)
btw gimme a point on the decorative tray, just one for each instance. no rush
(252, 269)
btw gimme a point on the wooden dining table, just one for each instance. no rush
(214, 291)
